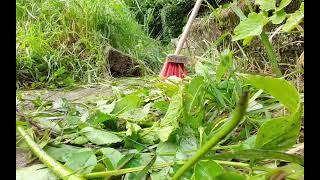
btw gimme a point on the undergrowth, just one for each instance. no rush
(59, 43)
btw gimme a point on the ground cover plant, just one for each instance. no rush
(218, 123)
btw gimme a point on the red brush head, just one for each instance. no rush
(174, 69)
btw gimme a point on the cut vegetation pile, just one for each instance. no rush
(220, 122)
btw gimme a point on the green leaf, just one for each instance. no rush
(60, 153)
(82, 161)
(247, 40)
(137, 114)
(106, 108)
(144, 171)
(127, 103)
(225, 63)
(161, 105)
(139, 160)
(280, 133)
(294, 19)
(100, 137)
(278, 17)
(266, 5)
(251, 26)
(187, 141)
(35, 172)
(194, 111)
(258, 154)
(228, 175)
(283, 4)
(207, 170)
(112, 155)
(174, 110)
(293, 171)
(79, 140)
(281, 89)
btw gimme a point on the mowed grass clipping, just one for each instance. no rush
(60, 42)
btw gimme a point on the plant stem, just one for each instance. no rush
(216, 138)
(156, 166)
(272, 55)
(60, 170)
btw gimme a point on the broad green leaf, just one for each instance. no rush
(60, 153)
(281, 89)
(187, 141)
(144, 171)
(207, 170)
(48, 122)
(225, 63)
(127, 103)
(141, 159)
(266, 5)
(82, 161)
(161, 105)
(100, 137)
(293, 171)
(163, 174)
(137, 114)
(156, 132)
(258, 154)
(283, 4)
(168, 147)
(35, 172)
(106, 108)
(174, 110)
(79, 140)
(112, 155)
(280, 133)
(228, 175)
(278, 17)
(193, 102)
(251, 26)
(294, 19)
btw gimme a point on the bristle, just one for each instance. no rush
(174, 69)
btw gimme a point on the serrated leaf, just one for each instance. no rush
(251, 26)
(294, 19)
(82, 161)
(278, 17)
(266, 5)
(100, 137)
(207, 170)
(283, 4)
(35, 172)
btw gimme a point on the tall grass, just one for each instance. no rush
(62, 42)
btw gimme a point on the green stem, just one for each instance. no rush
(272, 55)
(216, 138)
(60, 170)
(156, 166)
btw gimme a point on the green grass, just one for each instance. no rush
(59, 43)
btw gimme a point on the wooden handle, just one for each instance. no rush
(188, 26)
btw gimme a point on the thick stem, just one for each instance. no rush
(272, 55)
(216, 138)
(60, 170)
